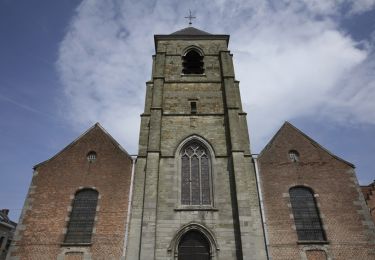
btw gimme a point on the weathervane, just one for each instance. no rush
(190, 17)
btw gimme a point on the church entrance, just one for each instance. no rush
(193, 246)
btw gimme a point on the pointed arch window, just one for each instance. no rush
(195, 174)
(306, 215)
(82, 217)
(192, 63)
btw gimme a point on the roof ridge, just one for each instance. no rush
(287, 123)
(96, 125)
(190, 31)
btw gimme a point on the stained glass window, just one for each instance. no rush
(82, 217)
(306, 216)
(195, 175)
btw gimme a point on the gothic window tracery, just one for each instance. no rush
(195, 175)
(192, 63)
(306, 215)
(82, 217)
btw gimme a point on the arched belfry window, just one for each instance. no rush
(306, 215)
(195, 174)
(194, 245)
(192, 63)
(82, 217)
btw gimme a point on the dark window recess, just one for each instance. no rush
(306, 215)
(193, 107)
(195, 175)
(82, 217)
(8, 244)
(293, 155)
(91, 156)
(192, 63)
(193, 245)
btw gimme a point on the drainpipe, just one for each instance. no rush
(263, 216)
(134, 158)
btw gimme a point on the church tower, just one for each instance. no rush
(195, 192)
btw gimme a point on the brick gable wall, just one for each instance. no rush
(350, 235)
(46, 212)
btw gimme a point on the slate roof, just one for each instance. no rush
(189, 31)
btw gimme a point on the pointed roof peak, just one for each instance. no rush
(287, 125)
(97, 125)
(189, 31)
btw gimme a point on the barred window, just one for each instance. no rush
(91, 156)
(195, 175)
(192, 63)
(306, 215)
(293, 155)
(82, 217)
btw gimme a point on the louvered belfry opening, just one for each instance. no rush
(193, 246)
(195, 175)
(192, 63)
(82, 217)
(306, 215)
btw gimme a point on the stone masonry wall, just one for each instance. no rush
(232, 223)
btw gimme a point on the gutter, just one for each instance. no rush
(263, 215)
(130, 198)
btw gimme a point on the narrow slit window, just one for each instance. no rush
(193, 107)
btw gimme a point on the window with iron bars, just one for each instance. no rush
(82, 217)
(306, 215)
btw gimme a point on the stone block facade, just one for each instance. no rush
(346, 222)
(231, 223)
(45, 216)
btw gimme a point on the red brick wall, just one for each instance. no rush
(337, 193)
(52, 190)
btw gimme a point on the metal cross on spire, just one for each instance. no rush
(190, 17)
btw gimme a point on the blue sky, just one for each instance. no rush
(68, 64)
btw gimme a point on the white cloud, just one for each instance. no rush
(290, 63)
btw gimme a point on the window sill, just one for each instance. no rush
(193, 75)
(315, 242)
(196, 208)
(76, 244)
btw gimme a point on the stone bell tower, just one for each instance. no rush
(195, 194)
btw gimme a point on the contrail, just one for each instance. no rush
(26, 107)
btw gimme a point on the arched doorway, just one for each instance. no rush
(193, 246)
